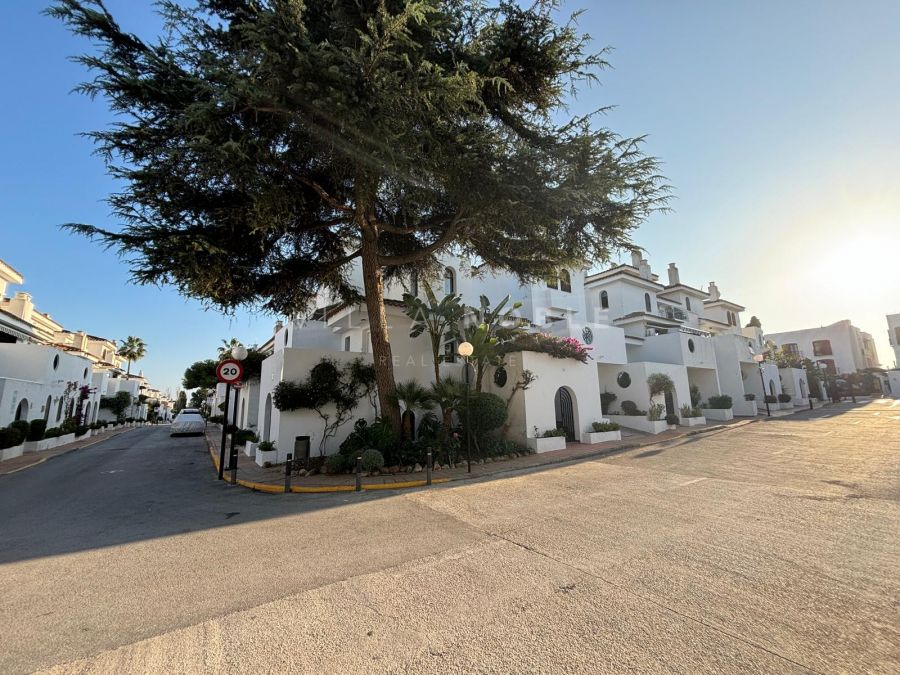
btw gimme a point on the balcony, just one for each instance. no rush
(679, 346)
(673, 313)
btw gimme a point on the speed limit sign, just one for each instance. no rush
(229, 371)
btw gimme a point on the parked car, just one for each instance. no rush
(188, 423)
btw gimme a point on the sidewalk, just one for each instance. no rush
(34, 458)
(250, 475)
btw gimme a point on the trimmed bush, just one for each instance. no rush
(656, 412)
(784, 398)
(53, 432)
(495, 447)
(630, 408)
(337, 463)
(81, 430)
(552, 433)
(696, 396)
(486, 411)
(10, 437)
(23, 427)
(241, 436)
(266, 446)
(749, 397)
(36, 430)
(607, 398)
(770, 399)
(600, 427)
(722, 402)
(372, 460)
(672, 419)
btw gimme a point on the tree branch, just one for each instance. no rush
(448, 235)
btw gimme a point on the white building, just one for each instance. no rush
(893, 321)
(840, 347)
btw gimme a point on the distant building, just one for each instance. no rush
(893, 321)
(840, 347)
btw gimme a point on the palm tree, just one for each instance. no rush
(490, 328)
(435, 318)
(132, 349)
(412, 396)
(227, 346)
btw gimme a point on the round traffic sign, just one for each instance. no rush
(229, 371)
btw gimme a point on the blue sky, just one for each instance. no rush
(777, 124)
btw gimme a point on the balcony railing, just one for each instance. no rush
(673, 313)
(681, 329)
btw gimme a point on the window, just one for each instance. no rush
(790, 348)
(56, 362)
(687, 303)
(552, 281)
(604, 300)
(624, 380)
(897, 335)
(691, 344)
(500, 377)
(647, 303)
(822, 348)
(565, 281)
(449, 281)
(347, 343)
(450, 352)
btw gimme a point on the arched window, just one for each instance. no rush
(59, 409)
(687, 303)
(604, 300)
(647, 303)
(449, 281)
(565, 281)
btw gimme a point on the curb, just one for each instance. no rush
(65, 452)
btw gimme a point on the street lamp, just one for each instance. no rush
(759, 358)
(465, 350)
(238, 353)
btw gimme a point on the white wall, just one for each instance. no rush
(637, 391)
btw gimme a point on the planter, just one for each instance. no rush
(744, 408)
(66, 438)
(641, 423)
(250, 449)
(786, 406)
(719, 414)
(692, 421)
(591, 437)
(547, 444)
(801, 403)
(14, 451)
(262, 457)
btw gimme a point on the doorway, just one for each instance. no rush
(565, 412)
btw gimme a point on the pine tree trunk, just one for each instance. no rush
(382, 357)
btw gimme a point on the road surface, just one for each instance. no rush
(774, 547)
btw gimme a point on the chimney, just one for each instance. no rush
(674, 280)
(636, 259)
(278, 325)
(645, 269)
(713, 291)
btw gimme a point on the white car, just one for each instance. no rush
(188, 423)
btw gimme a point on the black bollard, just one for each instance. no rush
(428, 462)
(287, 473)
(358, 474)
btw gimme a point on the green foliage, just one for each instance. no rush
(68, 426)
(754, 322)
(336, 463)
(242, 436)
(10, 437)
(181, 401)
(498, 447)
(659, 383)
(784, 398)
(600, 427)
(266, 446)
(116, 404)
(488, 329)
(690, 411)
(672, 419)
(554, 433)
(81, 430)
(372, 460)
(132, 349)
(750, 397)
(558, 348)
(770, 399)
(53, 432)
(721, 402)
(36, 430)
(437, 318)
(23, 426)
(264, 146)
(696, 396)
(655, 413)
(487, 412)
(379, 435)
(413, 396)
(607, 398)
(201, 374)
(630, 408)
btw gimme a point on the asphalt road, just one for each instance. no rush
(774, 547)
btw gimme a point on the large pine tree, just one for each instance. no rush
(264, 145)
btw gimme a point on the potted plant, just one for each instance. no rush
(266, 453)
(691, 416)
(601, 432)
(718, 408)
(784, 401)
(552, 439)
(649, 422)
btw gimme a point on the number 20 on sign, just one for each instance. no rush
(229, 371)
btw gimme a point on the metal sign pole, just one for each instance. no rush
(233, 455)
(224, 431)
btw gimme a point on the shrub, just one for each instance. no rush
(557, 347)
(749, 397)
(630, 408)
(784, 398)
(337, 463)
(372, 460)
(656, 412)
(266, 446)
(496, 447)
(10, 437)
(696, 396)
(36, 430)
(607, 398)
(600, 427)
(486, 413)
(81, 430)
(241, 436)
(23, 427)
(770, 399)
(672, 419)
(378, 435)
(553, 433)
(659, 383)
(53, 432)
(68, 426)
(129, 419)
(722, 402)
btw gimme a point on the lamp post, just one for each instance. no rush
(759, 358)
(465, 350)
(239, 353)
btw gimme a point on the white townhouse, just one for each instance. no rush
(633, 325)
(840, 347)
